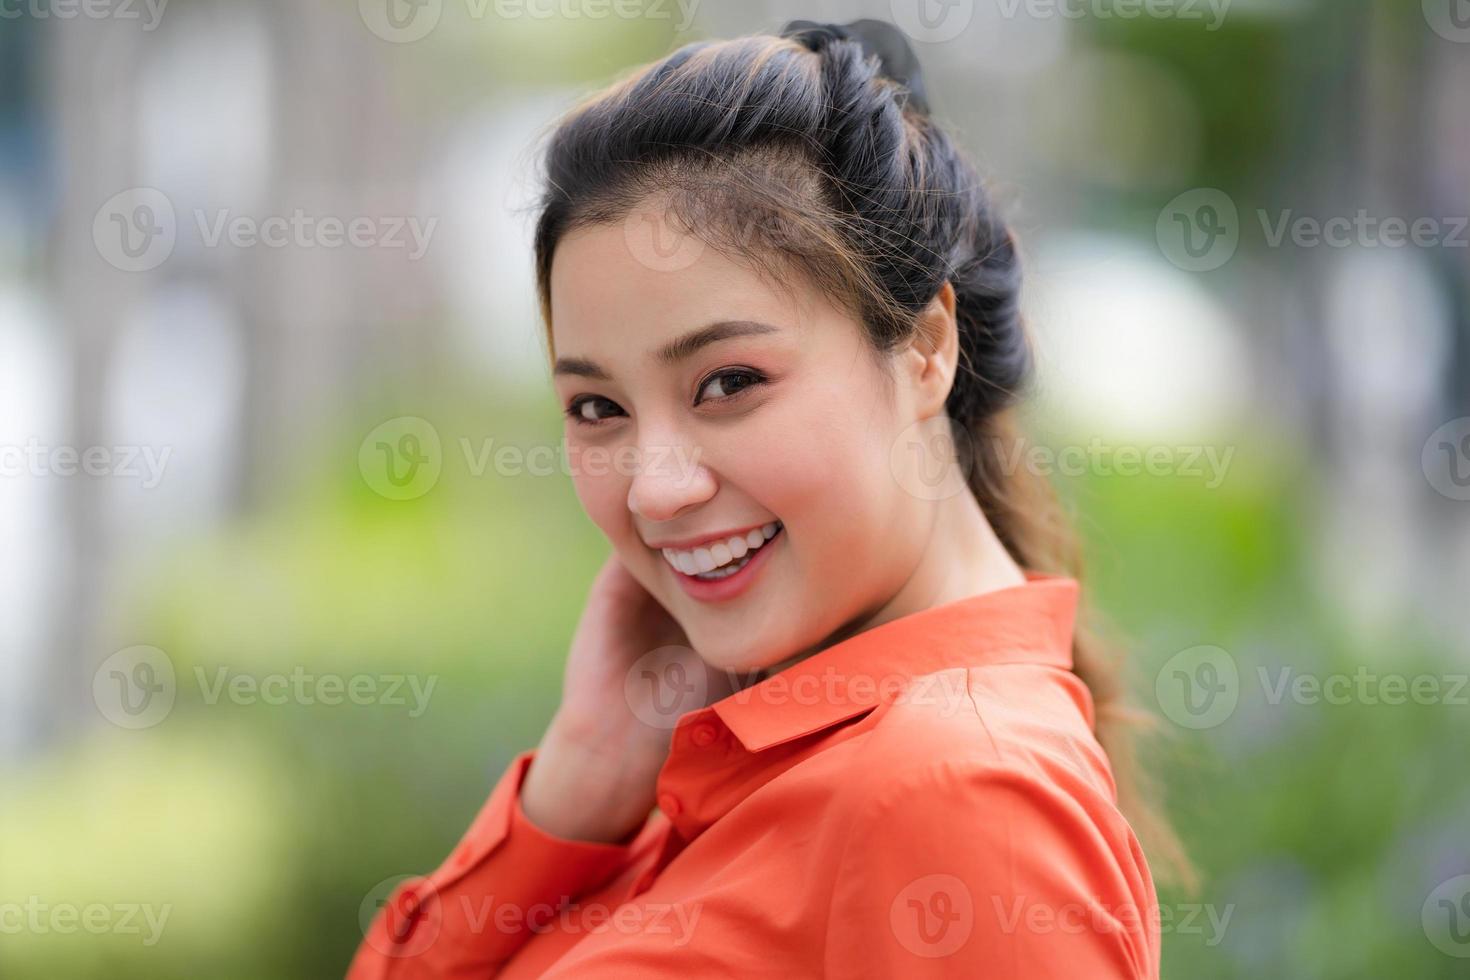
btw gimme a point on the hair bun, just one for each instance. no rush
(876, 37)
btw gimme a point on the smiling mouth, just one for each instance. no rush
(723, 558)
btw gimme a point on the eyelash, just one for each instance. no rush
(574, 410)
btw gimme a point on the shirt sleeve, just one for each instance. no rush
(964, 869)
(482, 904)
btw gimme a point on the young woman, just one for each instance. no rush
(779, 305)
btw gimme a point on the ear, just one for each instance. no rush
(933, 355)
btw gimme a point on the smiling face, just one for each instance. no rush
(703, 403)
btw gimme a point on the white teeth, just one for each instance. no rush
(727, 556)
(725, 572)
(703, 560)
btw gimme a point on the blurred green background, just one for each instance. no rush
(1331, 545)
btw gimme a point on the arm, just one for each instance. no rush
(470, 915)
(964, 869)
(556, 828)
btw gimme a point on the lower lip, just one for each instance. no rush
(731, 585)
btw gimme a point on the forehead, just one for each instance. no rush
(616, 291)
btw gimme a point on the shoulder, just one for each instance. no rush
(986, 731)
(993, 776)
(1002, 814)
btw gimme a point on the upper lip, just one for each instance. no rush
(685, 544)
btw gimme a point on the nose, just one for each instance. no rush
(669, 477)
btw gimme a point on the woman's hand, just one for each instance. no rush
(595, 770)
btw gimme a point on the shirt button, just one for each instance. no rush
(703, 735)
(669, 804)
(411, 920)
(403, 924)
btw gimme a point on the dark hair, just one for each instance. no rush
(800, 155)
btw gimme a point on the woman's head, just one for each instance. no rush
(782, 195)
(788, 199)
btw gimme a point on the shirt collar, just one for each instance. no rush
(1028, 623)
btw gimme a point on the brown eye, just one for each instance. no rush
(579, 412)
(728, 384)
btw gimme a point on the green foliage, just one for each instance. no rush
(1320, 828)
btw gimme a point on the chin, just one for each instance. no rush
(722, 656)
(740, 659)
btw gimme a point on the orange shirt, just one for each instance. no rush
(924, 799)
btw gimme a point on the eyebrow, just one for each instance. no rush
(676, 350)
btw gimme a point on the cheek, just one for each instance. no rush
(602, 490)
(821, 466)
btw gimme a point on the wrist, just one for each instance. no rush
(571, 791)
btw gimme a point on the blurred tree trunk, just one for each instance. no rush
(310, 317)
(92, 86)
(315, 316)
